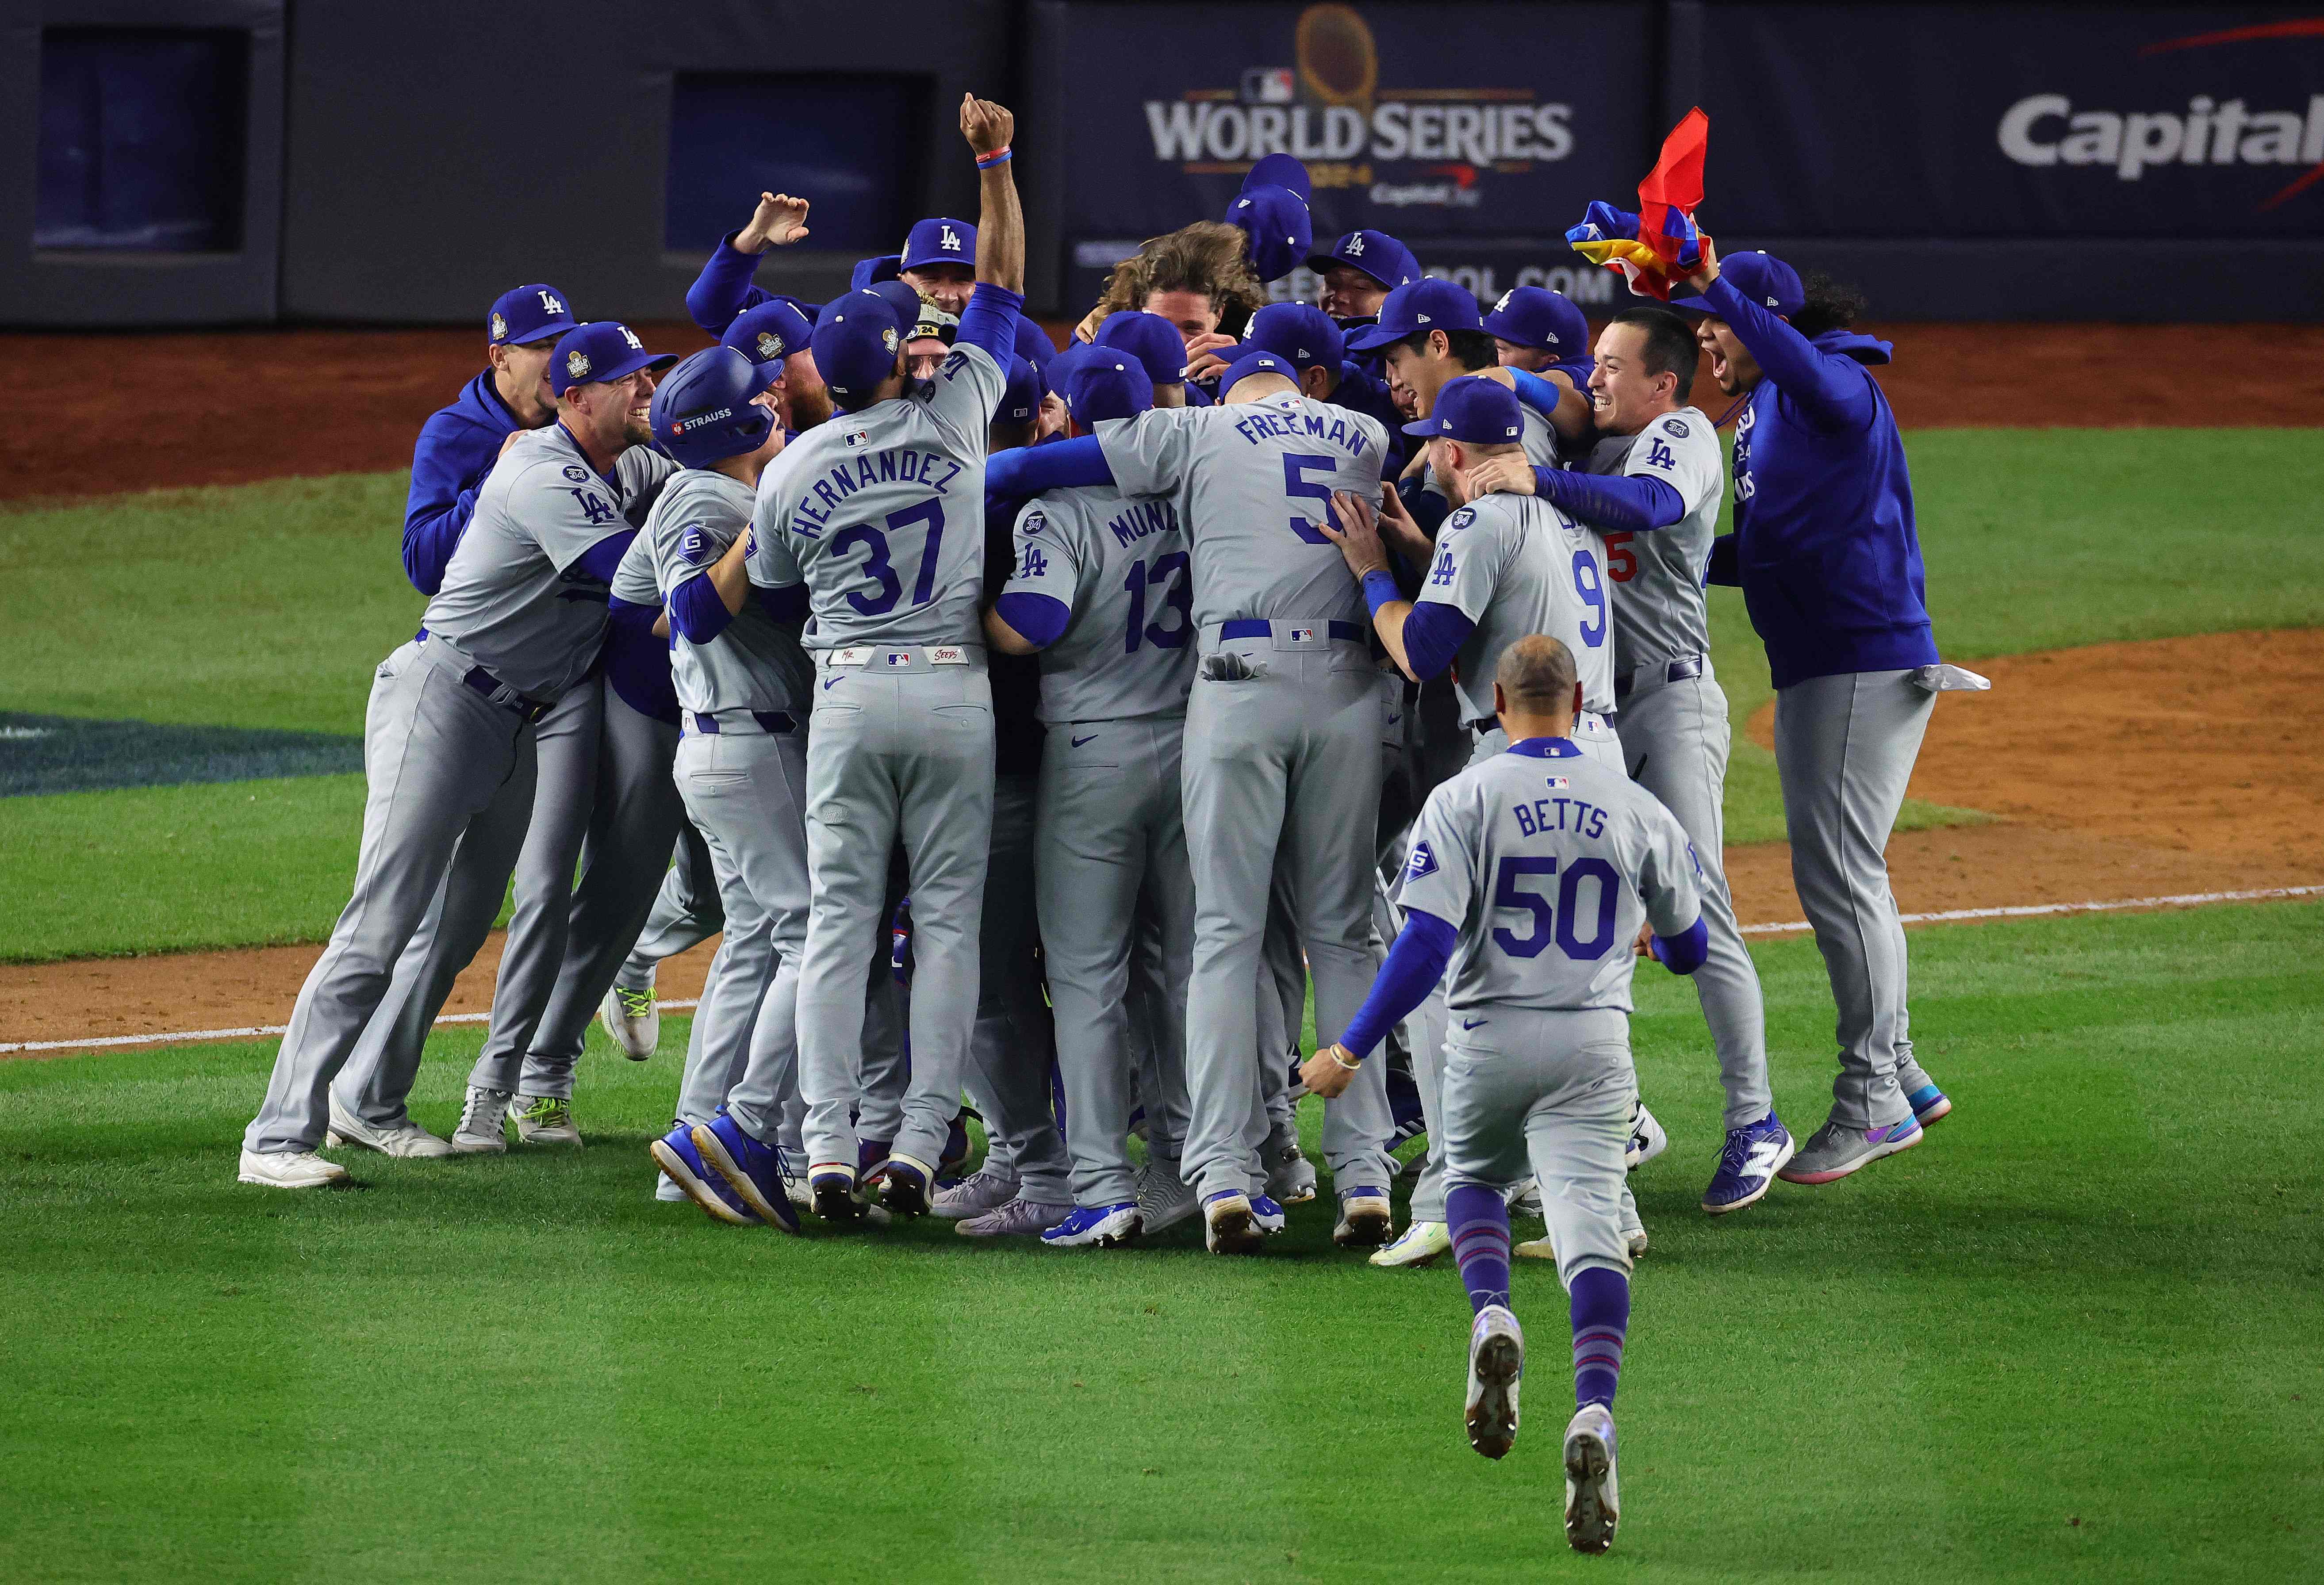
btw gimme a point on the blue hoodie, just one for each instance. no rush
(457, 447)
(1824, 547)
(723, 292)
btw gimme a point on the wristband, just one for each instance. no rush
(999, 156)
(1379, 588)
(1332, 1051)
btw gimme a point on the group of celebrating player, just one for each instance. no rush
(1132, 673)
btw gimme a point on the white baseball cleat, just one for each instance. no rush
(1539, 1248)
(634, 1019)
(545, 1119)
(481, 1116)
(1648, 1140)
(1593, 1507)
(1496, 1367)
(290, 1169)
(1366, 1222)
(1229, 1226)
(1417, 1245)
(1291, 1181)
(406, 1138)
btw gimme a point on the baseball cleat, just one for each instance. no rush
(1592, 1507)
(1524, 1200)
(683, 1170)
(1366, 1220)
(1648, 1140)
(795, 1183)
(753, 1170)
(1636, 1237)
(1228, 1226)
(1107, 1227)
(1267, 1214)
(481, 1116)
(1416, 1245)
(1021, 1217)
(1540, 1248)
(545, 1119)
(1292, 1178)
(1929, 1103)
(831, 1189)
(407, 1139)
(1404, 1106)
(634, 1019)
(977, 1194)
(290, 1169)
(904, 1185)
(1164, 1199)
(1755, 1153)
(956, 1147)
(1496, 1367)
(1836, 1150)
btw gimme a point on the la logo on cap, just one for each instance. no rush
(949, 241)
(631, 336)
(549, 305)
(1354, 246)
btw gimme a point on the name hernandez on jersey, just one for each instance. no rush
(1119, 566)
(1660, 613)
(1546, 864)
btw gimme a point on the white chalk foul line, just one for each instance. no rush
(2184, 899)
(102, 1040)
(2026, 910)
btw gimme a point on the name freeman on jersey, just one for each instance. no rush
(1261, 424)
(911, 467)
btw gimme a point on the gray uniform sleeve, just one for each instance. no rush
(1047, 562)
(563, 518)
(770, 560)
(1668, 871)
(968, 386)
(633, 581)
(1684, 455)
(1440, 876)
(642, 472)
(1470, 552)
(695, 546)
(1150, 452)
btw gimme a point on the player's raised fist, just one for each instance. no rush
(779, 221)
(987, 126)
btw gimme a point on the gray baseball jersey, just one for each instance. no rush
(1215, 462)
(515, 598)
(882, 513)
(1514, 565)
(1539, 440)
(1119, 566)
(1546, 864)
(1660, 613)
(755, 663)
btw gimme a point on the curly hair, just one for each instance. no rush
(1207, 257)
(1828, 305)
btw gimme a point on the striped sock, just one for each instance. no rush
(1601, 1320)
(1480, 1225)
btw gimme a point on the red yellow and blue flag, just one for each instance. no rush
(1659, 243)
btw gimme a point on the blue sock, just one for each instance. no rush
(1480, 1225)
(1601, 1320)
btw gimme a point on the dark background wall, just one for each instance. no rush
(192, 161)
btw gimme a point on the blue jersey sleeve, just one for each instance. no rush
(1832, 392)
(1623, 503)
(1415, 965)
(723, 292)
(439, 509)
(1030, 470)
(1433, 634)
(990, 320)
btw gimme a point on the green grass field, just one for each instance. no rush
(2078, 1334)
(267, 605)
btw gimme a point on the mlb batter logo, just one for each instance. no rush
(1302, 635)
(897, 658)
(856, 439)
(1556, 783)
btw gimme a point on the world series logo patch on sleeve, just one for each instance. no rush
(1422, 862)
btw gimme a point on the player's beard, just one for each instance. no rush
(809, 408)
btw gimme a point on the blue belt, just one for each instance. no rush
(1678, 670)
(1259, 627)
(497, 691)
(773, 722)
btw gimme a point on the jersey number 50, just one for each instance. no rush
(1547, 924)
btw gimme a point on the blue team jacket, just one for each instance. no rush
(457, 447)
(1824, 546)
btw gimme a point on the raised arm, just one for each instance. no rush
(1030, 470)
(1834, 393)
(990, 320)
(723, 292)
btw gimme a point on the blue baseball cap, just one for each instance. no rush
(1536, 317)
(856, 342)
(1254, 363)
(1479, 412)
(1106, 384)
(1034, 346)
(704, 411)
(527, 314)
(1426, 304)
(1283, 171)
(1375, 252)
(768, 335)
(939, 241)
(1281, 229)
(872, 271)
(603, 349)
(1762, 278)
(1151, 339)
(1301, 334)
(901, 300)
(1020, 402)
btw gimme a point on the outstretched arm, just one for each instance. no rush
(1833, 391)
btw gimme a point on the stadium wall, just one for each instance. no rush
(218, 162)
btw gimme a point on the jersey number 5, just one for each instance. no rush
(1296, 484)
(1621, 561)
(1548, 923)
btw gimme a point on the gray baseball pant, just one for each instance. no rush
(445, 769)
(1281, 771)
(1161, 961)
(1111, 830)
(906, 750)
(1845, 747)
(686, 913)
(746, 789)
(1547, 1095)
(1012, 1046)
(1675, 737)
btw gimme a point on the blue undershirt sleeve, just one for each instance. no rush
(1834, 393)
(1433, 634)
(990, 320)
(1622, 503)
(697, 611)
(604, 560)
(1725, 567)
(1037, 618)
(1538, 394)
(1415, 965)
(1428, 509)
(1687, 951)
(1028, 470)
(787, 605)
(723, 292)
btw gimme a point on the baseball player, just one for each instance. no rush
(686, 913)
(1531, 875)
(774, 335)
(1357, 273)
(449, 744)
(1652, 489)
(1100, 592)
(1501, 568)
(1825, 551)
(1282, 750)
(1538, 332)
(723, 292)
(879, 513)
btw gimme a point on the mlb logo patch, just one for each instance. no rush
(898, 657)
(1302, 635)
(1422, 862)
(856, 439)
(1556, 783)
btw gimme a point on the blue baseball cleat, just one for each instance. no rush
(832, 1191)
(753, 1170)
(1108, 1227)
(904, 1185)
(683, 1167)
(1929, 1103)
(1404, 1107)
(1267, 1214)
(1755, 1153)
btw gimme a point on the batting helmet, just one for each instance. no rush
(703, 411)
